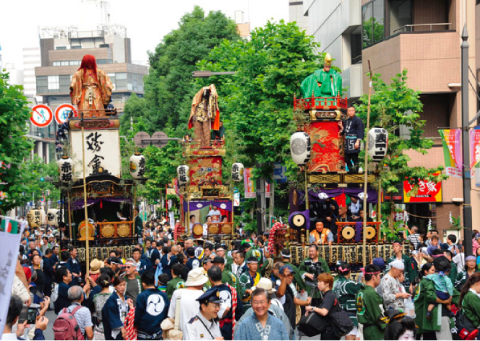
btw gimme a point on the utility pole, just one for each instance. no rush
(466, 175)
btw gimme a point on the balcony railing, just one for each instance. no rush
(86, 34)
(429, 27)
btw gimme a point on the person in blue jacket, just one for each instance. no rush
(151, 309)
(74, 266)
(141, 263)
(115, 311)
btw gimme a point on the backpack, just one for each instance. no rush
(66, 327)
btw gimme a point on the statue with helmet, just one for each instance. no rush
(325, 82)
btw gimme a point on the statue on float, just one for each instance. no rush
(325, 82)
(205, 114)
(91, 88)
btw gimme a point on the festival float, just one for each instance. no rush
(99, 209)
(319, 149)
(207, 209)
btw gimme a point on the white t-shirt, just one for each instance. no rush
(189, 307)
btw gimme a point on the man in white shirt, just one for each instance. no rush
(215, 214)
(188, 302)
(205, 226)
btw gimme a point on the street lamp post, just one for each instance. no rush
(466, 175)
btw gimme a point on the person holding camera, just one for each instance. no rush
(14, 310)
(330, 299)
(311, 267)
(286, 295)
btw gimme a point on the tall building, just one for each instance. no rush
(31, 60)
(242, 26)
(61, 52)
(296, 13)
(422, 36)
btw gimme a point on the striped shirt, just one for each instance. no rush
(414, 239)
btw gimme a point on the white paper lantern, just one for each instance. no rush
(36, 218)
(237, 172)
(377, 144)
(65, 169)
(182, 174)
(300, 148)
(53, 216)
(137, 166)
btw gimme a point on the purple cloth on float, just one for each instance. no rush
(78, 204)
(332, 193)
(358, 232)
(198, 205)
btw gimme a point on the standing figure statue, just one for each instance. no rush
(324, 82)
(205, 114)
(91, 88)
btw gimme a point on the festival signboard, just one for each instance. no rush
(428, 191)
(474, 147)
(102, 152)
(452, 151)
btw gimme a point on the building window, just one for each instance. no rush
(76, 47)
(373, 22)
(65, 63)
(42, 85)
(56, 63)
(65, 83)
(60, 47)
(121, 81)
(53, 84)
(356, 48)
(104, 61)
(400, 15)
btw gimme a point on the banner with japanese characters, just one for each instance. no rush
(102, 153)
(10, 235)
(452, 151)
(474, 147)
(428, 191)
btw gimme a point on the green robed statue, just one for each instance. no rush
(325, 82)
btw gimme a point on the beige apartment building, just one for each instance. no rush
(423, 36)
(61, 52)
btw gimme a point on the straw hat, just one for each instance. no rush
(95, 266)
(265, 283)
(196, 277)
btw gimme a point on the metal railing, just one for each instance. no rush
(410, 28)
(86, 34)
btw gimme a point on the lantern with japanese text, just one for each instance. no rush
(35, 218)
(237, 172)
(182, 173)
(53, 216)
(65, 169)
(137, 166)
(377, 144)
(300, 148)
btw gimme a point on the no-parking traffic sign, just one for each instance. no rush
(42, 115)
(62, 112)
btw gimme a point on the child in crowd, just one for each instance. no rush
(162, 282)
(443, 284)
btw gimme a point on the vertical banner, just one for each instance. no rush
(474, 147)
(452, 151)
(10, 235)
(249, 183)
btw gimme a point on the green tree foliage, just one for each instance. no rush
(393, 106)
(257, 102)
(14, 146)
(169, 90)
(168, 87)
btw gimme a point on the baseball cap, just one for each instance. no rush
(282, 269)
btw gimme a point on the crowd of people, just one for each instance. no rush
(201, 290)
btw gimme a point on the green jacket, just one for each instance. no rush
(230, 278)
(424, 295)
(303, 269)
(471, 307)
(410, 270)
(370, 313)
(174, 284)
(453, 272)
(247, 284)
(138, 225)
(461, 279)
(266, 268)
(346, 291)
